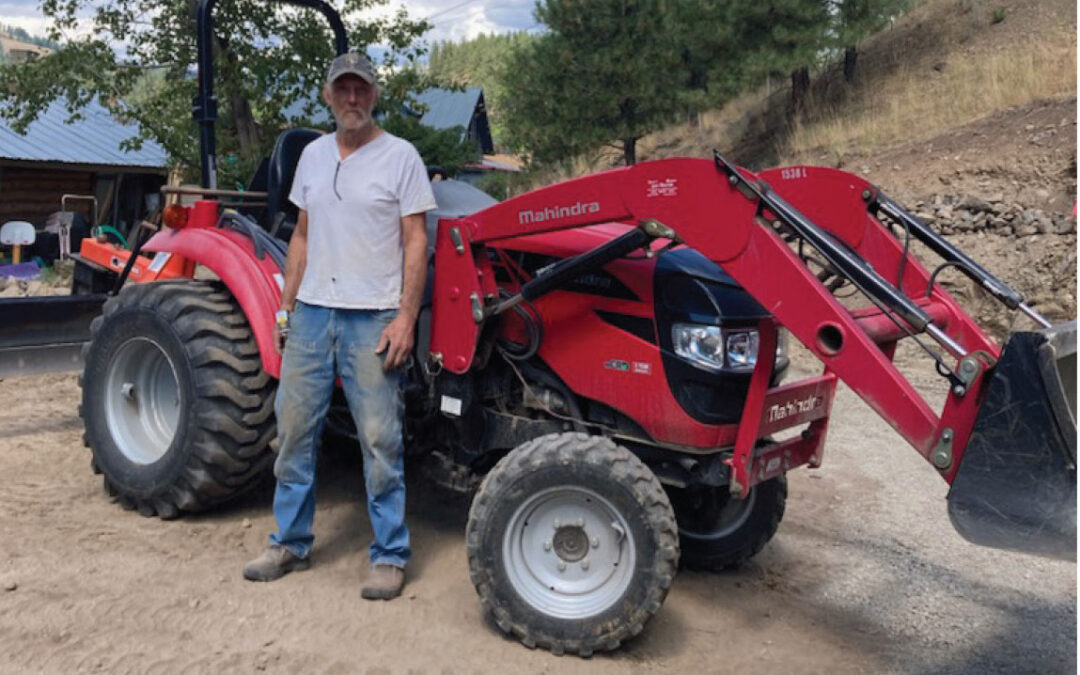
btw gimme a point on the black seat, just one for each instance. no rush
(281, 214)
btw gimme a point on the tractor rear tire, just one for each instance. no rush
(572, 543)
(718, 531)
(177, 408)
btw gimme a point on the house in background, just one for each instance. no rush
(17, 51)
(83, 157)
(446, 109)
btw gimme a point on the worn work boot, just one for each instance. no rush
(383, 583)
(274, 563)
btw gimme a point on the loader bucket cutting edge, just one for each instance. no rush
(1015, 487)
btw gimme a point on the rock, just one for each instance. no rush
(1066, 226)
(996, 198)
(1044, 226)
(1043, 193)
(1027, 231)
(10, 586)
(246, 523)
(945, 213)
(973, 203)
(925, 216)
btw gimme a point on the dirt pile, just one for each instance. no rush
(954, 214)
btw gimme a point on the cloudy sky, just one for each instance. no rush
(452, 19)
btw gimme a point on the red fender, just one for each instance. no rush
(255, 283)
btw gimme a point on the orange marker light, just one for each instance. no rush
(175, 216)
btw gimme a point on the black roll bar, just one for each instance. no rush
(204, 106)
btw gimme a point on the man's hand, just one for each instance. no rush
(397, 341)
(279, 340)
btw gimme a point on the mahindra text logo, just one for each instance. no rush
(795, 407)
(552, 212)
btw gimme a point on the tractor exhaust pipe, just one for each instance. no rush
(1015, 487)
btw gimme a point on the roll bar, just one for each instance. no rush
(204, 105)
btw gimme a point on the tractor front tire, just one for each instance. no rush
(177, 408)
(718, 531)
(572, 543)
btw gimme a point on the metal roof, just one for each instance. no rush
(447, 108)
(93, 140)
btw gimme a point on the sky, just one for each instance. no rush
(452, 19)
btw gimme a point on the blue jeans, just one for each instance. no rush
(323, 343)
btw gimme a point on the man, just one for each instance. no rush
(353, 283)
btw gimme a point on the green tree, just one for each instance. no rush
(445, 148)
(779, 37)
(603, 74)
(858, 18)
(711, 56)
(268, 56)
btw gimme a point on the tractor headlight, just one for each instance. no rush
(714, 348)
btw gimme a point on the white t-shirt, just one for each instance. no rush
(355, 205)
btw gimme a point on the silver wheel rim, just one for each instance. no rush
(569, 553)
(142, 400)
(733, 515)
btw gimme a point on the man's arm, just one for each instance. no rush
(397, 337)
(295, 264)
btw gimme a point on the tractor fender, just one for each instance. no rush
(255, 283)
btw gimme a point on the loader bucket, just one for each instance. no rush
(1016, 484)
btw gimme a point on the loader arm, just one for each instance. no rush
(725, 218)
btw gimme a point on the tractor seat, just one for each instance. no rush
(281, 214)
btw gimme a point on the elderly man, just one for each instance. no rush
(353, 284)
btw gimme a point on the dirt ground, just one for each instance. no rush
(865, 576)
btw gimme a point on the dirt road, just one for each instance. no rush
(865, 575)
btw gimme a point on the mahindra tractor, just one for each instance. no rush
(602, 361)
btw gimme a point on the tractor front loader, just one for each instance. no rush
(603, 362)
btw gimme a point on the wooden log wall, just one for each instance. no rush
(32, 194)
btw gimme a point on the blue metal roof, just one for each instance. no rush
(94, 140)
(447, 108)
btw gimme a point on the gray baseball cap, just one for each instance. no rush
(351, 63)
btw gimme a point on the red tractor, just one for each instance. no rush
(608, 353)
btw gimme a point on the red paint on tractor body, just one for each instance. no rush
(696, 200)
(231, 256)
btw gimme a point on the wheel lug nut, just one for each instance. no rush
(585, 564)
(556, 523)
(547, 545)
(562, 566)
(127, 390)
(580, 522)
(595, 542)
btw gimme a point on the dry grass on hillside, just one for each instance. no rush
(920, 105)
